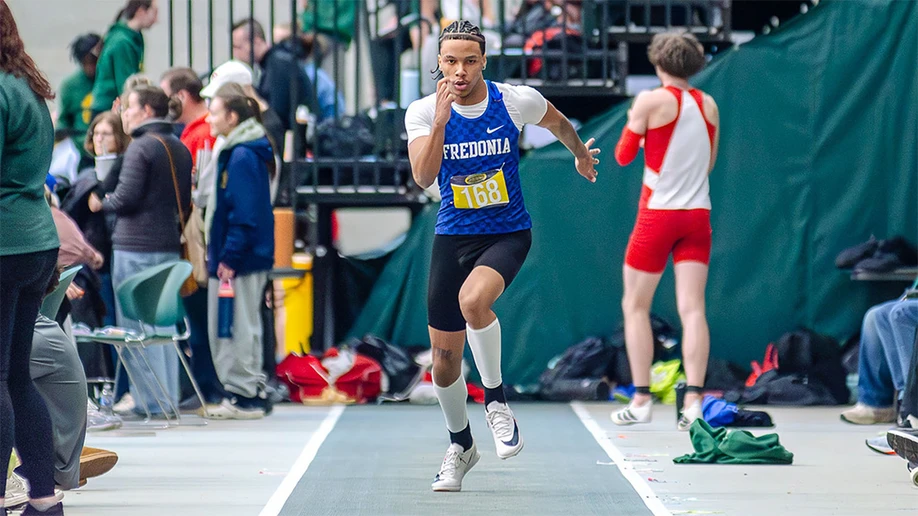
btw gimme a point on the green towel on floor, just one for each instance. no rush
(723, 446)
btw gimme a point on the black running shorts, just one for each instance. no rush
(454, 257)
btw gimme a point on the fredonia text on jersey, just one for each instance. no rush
(477, 149)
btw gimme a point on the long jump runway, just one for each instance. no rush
(380, 460)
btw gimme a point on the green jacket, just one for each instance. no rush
(27, 138)
(728, 446)
(75, 104)
(75, 112)
(122, 56)
(341, 28)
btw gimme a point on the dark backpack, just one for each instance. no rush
(801, 368)
(400, 368)
(578, 373)
(665, 341)
(345, 137)
(815, 356)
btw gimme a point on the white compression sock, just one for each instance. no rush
(485, 344)
(453, 402)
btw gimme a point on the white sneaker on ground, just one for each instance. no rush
(17, 491)
(97, 421)
(455, 465)
(507, 439)
(861, 414)
(633, 414)
(230, 410)
(125, 405)
(689, 415)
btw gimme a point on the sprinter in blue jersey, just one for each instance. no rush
(466, 137)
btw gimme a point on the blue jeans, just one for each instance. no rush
(162, 358)
(887, 342)
(108, 297)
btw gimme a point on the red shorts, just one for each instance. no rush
(685, 233)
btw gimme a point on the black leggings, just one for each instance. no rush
(23, 281)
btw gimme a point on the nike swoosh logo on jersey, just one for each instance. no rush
(495, 129)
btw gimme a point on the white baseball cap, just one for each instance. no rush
(230, 71)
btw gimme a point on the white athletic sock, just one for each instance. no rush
(485, 344)
(453, 402)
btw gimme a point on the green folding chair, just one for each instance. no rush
(152, 297)
(52, 302)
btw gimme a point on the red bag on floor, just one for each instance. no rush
(363, 381)
(304, 376)
(310, 382)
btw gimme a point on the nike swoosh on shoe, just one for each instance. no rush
(516, 436)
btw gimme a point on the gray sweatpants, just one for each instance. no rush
(238, 361)
(58, 375)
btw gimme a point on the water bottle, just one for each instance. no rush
(106, 399)
(225, 296)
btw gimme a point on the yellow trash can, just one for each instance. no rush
(298, 307)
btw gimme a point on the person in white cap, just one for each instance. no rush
(230, 71)
(237, 72)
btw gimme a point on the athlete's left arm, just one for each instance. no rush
(713, 115)
(584, 156)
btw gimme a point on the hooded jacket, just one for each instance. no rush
(121, 57)
(242, 221)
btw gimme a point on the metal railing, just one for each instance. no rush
(562, 47)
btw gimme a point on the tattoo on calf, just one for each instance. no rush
(445, 354)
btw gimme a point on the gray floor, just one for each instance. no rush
(225, 468)
(380, 460)
(833, 473)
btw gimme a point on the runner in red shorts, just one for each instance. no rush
(678, 126)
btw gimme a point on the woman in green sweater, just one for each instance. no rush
(28, 256)
(122, 52)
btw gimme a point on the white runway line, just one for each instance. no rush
(651, 500)
(279, 498)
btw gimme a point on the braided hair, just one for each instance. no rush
(459, 30)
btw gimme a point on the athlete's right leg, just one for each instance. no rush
(691, 278)
(449, 385)
(638, 296)
(645, 258)
(691, 256)
(447, 339)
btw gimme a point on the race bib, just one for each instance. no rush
(477, 191)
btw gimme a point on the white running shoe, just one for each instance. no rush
(689, 415)
(455, 465)
(125, 406)
(507, 438)
(17, 492)
(633, 414)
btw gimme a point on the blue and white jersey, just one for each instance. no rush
(479, 175)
